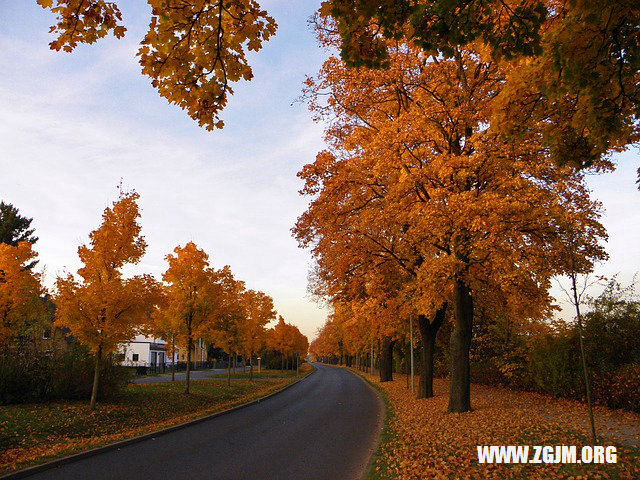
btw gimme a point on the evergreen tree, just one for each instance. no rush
(14, 227)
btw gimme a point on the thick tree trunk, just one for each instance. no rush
(428, 331)
(459, 345)
(386, 360)
(188, 377)
(96, 379)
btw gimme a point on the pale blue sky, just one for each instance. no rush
(74, 124)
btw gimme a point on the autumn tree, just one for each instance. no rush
(300, 346)
(277, 339)
(194, 297)
(287, 340)
(193, 51)
(416, 174)
(164, 326)
(100, 306)
(258, 312)
(20, 292)
(575, 65)
(226, 332)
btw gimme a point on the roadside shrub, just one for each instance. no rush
(65, 374)
(620, 390)
(553, 363)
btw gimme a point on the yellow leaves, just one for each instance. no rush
(103, 309)
(426, 442)
(419, 188)
(192, 52)
(20, 290)
(194, 296)
(195, 50)
(82, 21)
(287, 339)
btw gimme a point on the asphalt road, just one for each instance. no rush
(323, 428)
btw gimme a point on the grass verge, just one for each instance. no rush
(305, 368)
(379, 468)
(31, 434)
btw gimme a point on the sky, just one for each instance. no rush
(75, 125)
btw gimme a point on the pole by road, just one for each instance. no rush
(323, 428)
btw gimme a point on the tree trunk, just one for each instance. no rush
(428, 331)
(188, 377)
(96, 379)
(229, 369)
(459, 345)
(386, 360)
(250, 370)
(282, 362)
(583, 356)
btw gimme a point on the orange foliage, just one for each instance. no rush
(258, 311)
(287, 339)
(20, 290)
(192, 52)
(420, 200)
(103, 308)
(425, 442)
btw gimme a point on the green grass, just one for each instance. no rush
(304, 369)
(34, 433)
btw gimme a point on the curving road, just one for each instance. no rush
(323, 428)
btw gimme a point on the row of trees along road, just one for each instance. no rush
(457, 146)
(102, 308)
(421, 205)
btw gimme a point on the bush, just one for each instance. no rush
(553, 365)
(620, 390)
(67, 374)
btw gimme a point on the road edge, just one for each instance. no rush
(382, 420)
(29, 471)
(385, 434)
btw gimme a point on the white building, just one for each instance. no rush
(144, 352)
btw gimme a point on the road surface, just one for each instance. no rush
(323, 428)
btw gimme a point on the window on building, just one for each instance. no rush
(134, 357)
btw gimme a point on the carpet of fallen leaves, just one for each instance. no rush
(422, 441)
(35, 433)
